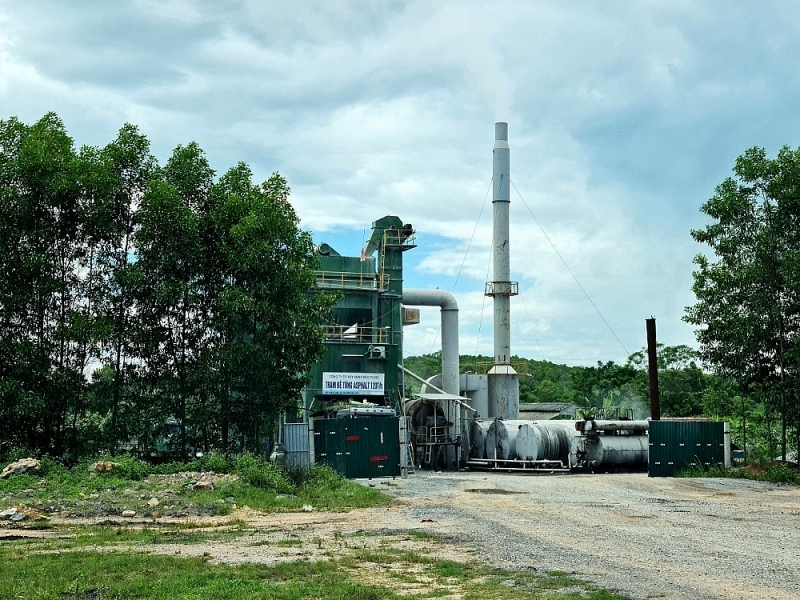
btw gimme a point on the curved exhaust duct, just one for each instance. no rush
(449, 313)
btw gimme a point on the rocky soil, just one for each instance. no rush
(156, 496)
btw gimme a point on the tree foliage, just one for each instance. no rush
(607, 386)
(134, 297)
(747, 312)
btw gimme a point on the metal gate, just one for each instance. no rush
(296, 446)
(360, 447)
(680, 445)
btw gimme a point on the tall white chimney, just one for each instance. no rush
(503, 379)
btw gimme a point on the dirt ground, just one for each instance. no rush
(646, 537)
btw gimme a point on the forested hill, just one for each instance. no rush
(686, 390)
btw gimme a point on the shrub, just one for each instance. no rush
(782, 473)
(216, 462)
(128, 467)
(172, 467)
(317, 478)
(52, 468)
(257, 472)
(14, 454)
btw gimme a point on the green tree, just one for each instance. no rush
(682, 383)
(747, 312)
(268, 316)
(41, 204)
(129, 167)
(131, 293)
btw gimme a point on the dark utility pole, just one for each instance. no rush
(652, 361)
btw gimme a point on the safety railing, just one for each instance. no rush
(399, 237)
(345, 280)
(520, 366)
(437, 434)
(354, 333)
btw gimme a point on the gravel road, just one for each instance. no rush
(646, 537)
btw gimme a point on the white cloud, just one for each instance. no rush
(623, 116)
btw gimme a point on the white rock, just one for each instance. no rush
(23, 465)
(8, 513)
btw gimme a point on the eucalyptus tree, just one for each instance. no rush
(125, 169)
(130, 293)
(172, 322)
(41, 232)
(747, 311)
(268, 313)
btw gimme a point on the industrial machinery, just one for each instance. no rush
(364, 340)
(354, 397)
(558, 445)
(458, 420)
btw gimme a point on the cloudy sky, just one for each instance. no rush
(623, 117)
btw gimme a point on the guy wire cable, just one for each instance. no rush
(564, 262)
(466, 253)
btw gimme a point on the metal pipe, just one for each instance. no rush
(652, 360)
(501, 199)
(594, 425)
(430, 385)
(449, 316)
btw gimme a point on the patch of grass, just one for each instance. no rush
(133, 575)
(82, 536)
(774, 472)
(260, 486)
(214, 462)
(422, 535)
(31, 573)
(478, 581)
(289, 543)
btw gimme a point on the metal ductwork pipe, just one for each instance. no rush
(449, 311)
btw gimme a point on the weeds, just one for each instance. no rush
(395, 575)
(776, 472)
(132, 483)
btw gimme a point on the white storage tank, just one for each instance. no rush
(477, 438)
(501, 439)
(546, 440)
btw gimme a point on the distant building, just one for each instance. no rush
(543, 411)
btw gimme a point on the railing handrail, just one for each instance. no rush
(344, 279)
(351, 333)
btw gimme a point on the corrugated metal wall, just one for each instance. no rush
(295, 442)
(361, 447)
(678, 445)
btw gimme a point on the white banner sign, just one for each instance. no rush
(352, 384)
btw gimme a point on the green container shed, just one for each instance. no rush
(359, 447)
(679, 445)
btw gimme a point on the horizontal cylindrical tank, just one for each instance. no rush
(529, 442)
(477, 438)
(501, 439)
(546, 440)
(605, 451)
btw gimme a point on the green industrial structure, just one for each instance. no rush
(360, 377)
(678, 445)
